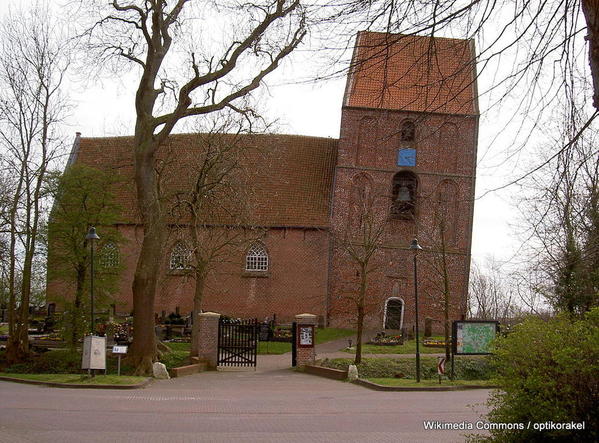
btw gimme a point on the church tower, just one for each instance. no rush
(406, 168)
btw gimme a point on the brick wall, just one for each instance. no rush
(295, 282)
(445, 159)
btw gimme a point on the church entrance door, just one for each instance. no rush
(393, 318)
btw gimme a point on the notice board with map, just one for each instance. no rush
(473, 337)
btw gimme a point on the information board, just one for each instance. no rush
(306, 336)
(472, 337)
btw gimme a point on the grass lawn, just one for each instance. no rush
(322, 336)
(326, 335)
(79, 378)
(179, 346)
(273, 347)
(409, 347)
(404, 382)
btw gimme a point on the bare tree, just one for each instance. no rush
(361, 242)
(560, 223)
(32, 68)
(212, 208)
(150, 35)
(490, 295)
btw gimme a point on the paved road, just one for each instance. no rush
(269, 405)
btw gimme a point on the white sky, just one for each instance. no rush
(106, 108)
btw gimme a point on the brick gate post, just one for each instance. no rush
(306, 339)
(208, 338)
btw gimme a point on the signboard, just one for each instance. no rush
(406, 157)
(306, 336)
(440, 365)
(472, 337)
(119, 349)
(94, 352)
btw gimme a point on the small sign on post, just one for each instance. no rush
(440, 367)
(119, 350)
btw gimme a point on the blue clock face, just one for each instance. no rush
(406, 157)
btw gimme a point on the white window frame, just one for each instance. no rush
(403, 310)
(180, 257)
(256, 259)
(110, 256)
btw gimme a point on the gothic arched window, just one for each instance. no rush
(403, 194)
(180, 257)
(109, 256)
(408, 132)
(256, 258)
(447, 209)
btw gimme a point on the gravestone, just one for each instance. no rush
(428, 327)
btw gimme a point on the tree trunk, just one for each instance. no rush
(12, 298)
(143, 349)
(445, 272)
(590, 8)
(360, 325)
(77, 314)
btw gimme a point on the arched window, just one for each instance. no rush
(447, 209)
(408, 132)
(109, 256)
(449, 147)
(403, 195)
(256, 258)
(361, 199)
(367, 140)
(180, 257)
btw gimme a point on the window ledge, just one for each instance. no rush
(179, 272)
(255, 274)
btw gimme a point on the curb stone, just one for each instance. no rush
(371, 385)
(50, 384)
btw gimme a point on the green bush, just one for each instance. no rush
(549, 372)
(52, 362)
(466, 368)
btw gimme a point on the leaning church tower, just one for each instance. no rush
(406, 164)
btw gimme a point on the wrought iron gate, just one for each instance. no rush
(294, 344)
(237, 342)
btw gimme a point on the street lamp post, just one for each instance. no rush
(414, 246)
(92, 237)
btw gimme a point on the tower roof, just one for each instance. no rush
(412, 73)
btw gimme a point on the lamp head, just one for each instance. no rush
(91, 234)
(414, 246)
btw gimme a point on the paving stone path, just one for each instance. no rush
(271, 404)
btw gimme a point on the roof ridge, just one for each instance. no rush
(269, 134)
(399, 34)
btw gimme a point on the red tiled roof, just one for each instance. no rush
(412, 73)
(290, 176)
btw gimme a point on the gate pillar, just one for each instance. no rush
(305, 339)
(208, 338)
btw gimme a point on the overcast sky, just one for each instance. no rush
(105, 107)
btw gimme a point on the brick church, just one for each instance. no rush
(404, 162)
